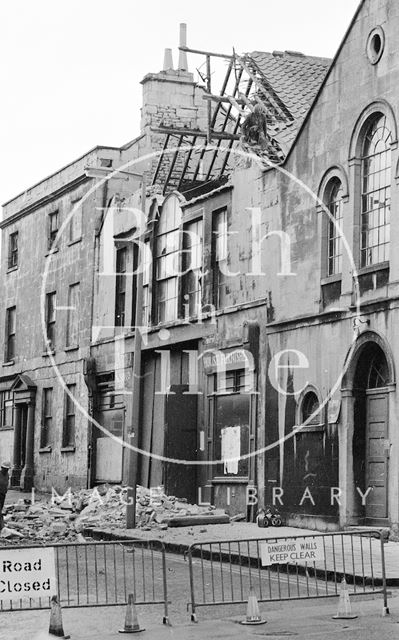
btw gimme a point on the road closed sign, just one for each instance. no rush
(27, 573)
(298, 550)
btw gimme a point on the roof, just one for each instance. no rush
(295, 80)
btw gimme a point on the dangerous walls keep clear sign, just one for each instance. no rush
(27, 573)
(297, 550)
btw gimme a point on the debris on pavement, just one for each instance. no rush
(56, 518)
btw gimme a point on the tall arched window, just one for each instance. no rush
(167, 260)
(335, 206)
(376, 193)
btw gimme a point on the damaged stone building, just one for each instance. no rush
(269, 355)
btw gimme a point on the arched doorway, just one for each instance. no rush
(370, 434)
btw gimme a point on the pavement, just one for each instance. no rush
(349, 559)
(302, 621)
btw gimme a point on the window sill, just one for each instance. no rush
(51, 251)
(329, 279)
(309, 428)
(47, 354)
(45, 449)
(9, 363)
(69, 449)
(372, 268)
(7, 427)
(76, 241)
(73, 347)
(11, 269)
(230, 480)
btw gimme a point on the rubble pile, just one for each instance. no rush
(65, 518)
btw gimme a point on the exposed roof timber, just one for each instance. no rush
(227, 56)
(218, 135)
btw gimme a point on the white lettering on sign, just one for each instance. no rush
(27, 573)
(298, 550)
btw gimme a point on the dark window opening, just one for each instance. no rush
(120, 287)
(13, 250)
(68, 437)
(219, 257)
(52, 229)
(10, 334)
(309, 409)
(47, 417)
(50, 318)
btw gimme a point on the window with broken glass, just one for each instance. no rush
(192, 268)
(219, 257)
(52, 229)
(167, 260)
(68, 435)
(229, 411)
(120, 287)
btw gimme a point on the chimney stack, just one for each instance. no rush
(183, 43)
(168, 60)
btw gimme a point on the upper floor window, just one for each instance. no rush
(167, 259)
(219, 257)
(120, 287)
(13, 250)
(376, 193)
(75, 224)
(52, 229)
(10, 334)
(72, 337)
(335, 207)
(50, 318)
(192, 267)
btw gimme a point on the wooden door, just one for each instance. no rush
(181, 443)
(377, 452)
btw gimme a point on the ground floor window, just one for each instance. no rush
(6, 409)
(229, 422)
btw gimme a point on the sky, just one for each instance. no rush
(71, 69)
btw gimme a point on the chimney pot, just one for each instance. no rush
(183, 43)
(168, 60)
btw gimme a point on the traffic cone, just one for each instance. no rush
(56, 628)
(131, 620)
(344, 604)
(253, 613)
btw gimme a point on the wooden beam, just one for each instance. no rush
(217, 135)
(228, 56)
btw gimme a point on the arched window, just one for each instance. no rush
(376, 193)
(335, 207)
(372, 370)
(309, 407)
(167, 260)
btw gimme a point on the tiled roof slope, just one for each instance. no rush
(295, 78)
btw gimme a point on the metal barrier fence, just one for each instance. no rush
(95, 574)
(292, 568)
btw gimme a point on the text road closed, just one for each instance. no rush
(299, 550)
(27, 573)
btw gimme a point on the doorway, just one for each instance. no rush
(370, 439)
